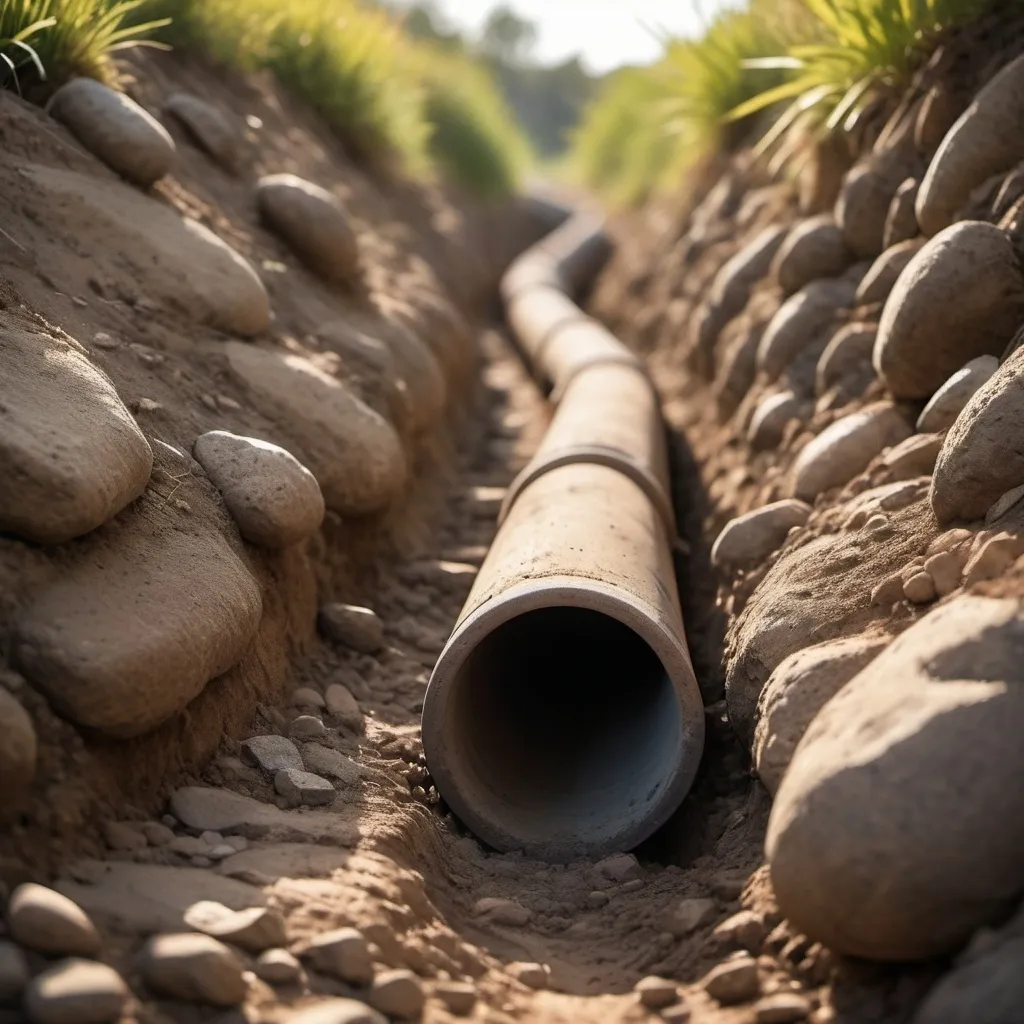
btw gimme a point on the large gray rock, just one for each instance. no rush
(71, 455)
(18, 750)
(899, 827)
(313, 224)
(353, 452)
(960, 297)
(76, 992)
(749, 538)
(193, 608)
(209, 127)
(114, 128)
(982, 458)
(169, 257)
(844, 449)
(796, 691)
(948, 402)
(272, 497)
(989, 990)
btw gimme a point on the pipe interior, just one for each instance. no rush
(564, 727)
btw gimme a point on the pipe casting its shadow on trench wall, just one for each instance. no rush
(563, 718)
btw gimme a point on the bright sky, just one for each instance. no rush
(606, 33)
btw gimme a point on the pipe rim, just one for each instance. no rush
(556, 592)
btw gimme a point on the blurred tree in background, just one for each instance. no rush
(547, 100)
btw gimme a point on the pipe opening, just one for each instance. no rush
(563, 730)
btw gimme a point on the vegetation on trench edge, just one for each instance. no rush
(756, 72)
(392, 101)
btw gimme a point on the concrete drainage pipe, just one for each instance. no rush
(563, 718)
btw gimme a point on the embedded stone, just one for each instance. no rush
(989, 990)
(885, 271)
(303, 788)
(71, 454)
(794, 694)
(353, 452)
(272, 497)
(397, 993)
(194, 608)
(531, 975)
(194, 968)
(913, 457)
(278, 967)
(770, 418)
(656, 993)
(898, 829)
(949, 401)
(313, 224)
(113, 127)
(355, 627)
(844, 449)
(458, 996)
(337, 1011)
(209, 127)
(169, 257)
(255, 929)
(689, 914)
(343, 953)
(47, 922)
(271, 753)
(847, 353)
(18, 750)
(76, 992)
(812, 250)
(750, 538)
(732, 982)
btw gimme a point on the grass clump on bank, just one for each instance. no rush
(52, 40)
(389, 99)
(779, 62)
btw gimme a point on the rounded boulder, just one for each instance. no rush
(898, 829)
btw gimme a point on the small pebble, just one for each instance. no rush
(355, 627)
(735, 981)
(237, 843)
(633, 885)
(782, 1008)
(678, 1014)
(622, 867)
(744, 929)
(13, 971)
(211, 838)
(271, 753)
(689, 914)
(278, 967)
(47, 922)
(458, 996)
(945, 569)
(656, 993)
(222, 851)
(597, 899)
(255, 929)
(303, 788)
(194, 968)
(343, 953)
(76, 992)
(397, 993)
(342, 704)
(188, 846)
(532, 975)
(501, 911)
(307, 727)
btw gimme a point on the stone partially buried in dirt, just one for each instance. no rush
(271, 753)
(885, 271)
(771, 417)
(76, 992)
(812, 250)
(981, 458)
(352, 625)
(208, 126)
(193, 607)
(353, 452)
(796, 691)
(278, 967)
(193, 968)
(844, 449)
(913, 457)
(989, 990)
(735, 981)
(114, 128)
(313, 224)
(272, 497)
(397, 993)
(899, 827)
(848, 353)
(960, 297)
(171, 257)
(255, 929)
(71, 454)
(45, 921)
(303, 788)
(948, 402)
(343, 953)
(749, 538)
